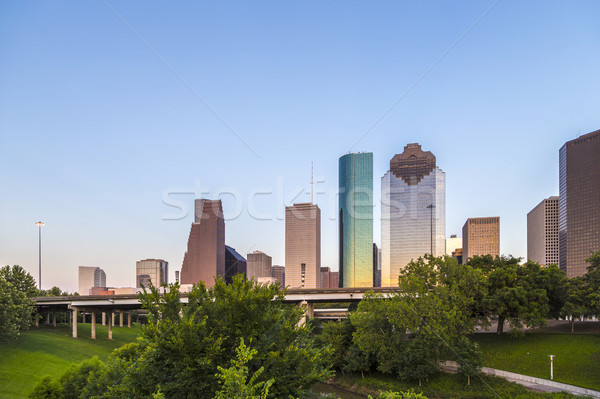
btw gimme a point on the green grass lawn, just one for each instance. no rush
(577, 359)
(50, 351)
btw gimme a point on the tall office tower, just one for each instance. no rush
(579, 202)
(258, 265)
(155, 271)
(481, 236)
(334, 279)
(234, 264)
(376, 266)
(452, 244)
(325, 273)
(303, 245)
(177, 276)
(204, 259)
(413, 211)
(542, 232)
(278, 273)
(356, 219)
(89, 277)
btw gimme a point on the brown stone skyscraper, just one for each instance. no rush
(205, 256)
(579, 202)
(303, 245)
(542, 232)
(481, 236)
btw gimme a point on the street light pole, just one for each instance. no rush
(430, 207)
(40, 224)
(551, 366)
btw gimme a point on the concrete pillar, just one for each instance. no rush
(129, 319)
(70, 318)
(48, 318)
(121, 319)
(93, 329)
(74, 323)
(302, 305)
(54, 319)
(111, 319)
(103, 318)
(37, 320)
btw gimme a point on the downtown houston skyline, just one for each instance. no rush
(101, 131)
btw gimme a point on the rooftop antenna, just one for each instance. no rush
(312, 181)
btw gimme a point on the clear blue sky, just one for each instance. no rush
(94, 128)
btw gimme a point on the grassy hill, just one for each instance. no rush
(50, 351)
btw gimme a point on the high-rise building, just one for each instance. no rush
(542, 232)
(204, 259)
(303, 245)
(356, 219)
(234, 264)
(258, 264)
(481, 236)
(334, 279)
(155, 271)
(452, 244)
(579, 202)
(376, 266)
(325, 272)
(89, 277)
(413, 211)
(278, 273)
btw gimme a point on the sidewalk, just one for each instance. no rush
(533, 383)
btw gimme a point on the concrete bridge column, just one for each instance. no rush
(37, 320)
(111, 319)
(48, 318)
(121, 318)
(93, 329)
(54, 319)
(129, 319)
(103, 318)
(69, 317)
(309, 312)
(74, 323)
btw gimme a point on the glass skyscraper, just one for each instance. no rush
(356, 220)
(413, 211)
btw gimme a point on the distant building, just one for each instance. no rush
(481, 236)
(89, 277)
(334, 279)
(303, 245)
(542, 232)
(579, 203)
(155, 271)
(458, 255)
(452, 244)
(413, 211)
(356, 219)
(234, 264)
(376, 266)
(177, 276)
(258, 265)
(204, 259)
(325, 272)
(278, 273)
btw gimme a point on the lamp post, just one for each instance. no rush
(551, 366)
(40, 224)
(430, 207)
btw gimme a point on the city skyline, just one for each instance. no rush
(95, 130)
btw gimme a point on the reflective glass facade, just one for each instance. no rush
(413, 211)
(356, 220)
(155, 271)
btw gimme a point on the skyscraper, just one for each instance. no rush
(452, 244)
(356, 220)
(481, 236)
(376, 266)
(579, 202)
(155, 271)
(542, 232)
(278, 273)
(303, 245)
(413, 211)
(258, 265)
(234, 264)
(204, 259)
(89, 277)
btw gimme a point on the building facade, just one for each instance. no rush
(204, 259)
(303, 246)
(258, 265)
(89, 277)
(356, 219)
(376, 266)
(234, 264)
(452, 244)
(278, 273)
(481, 236)
(155, 271)
(413, 211)
(542, 232)
(579, 202)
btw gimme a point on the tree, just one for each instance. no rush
(469, 358)
(338, 336)
(16, 310)
(20, 279)
(578, 300)
(410, 394)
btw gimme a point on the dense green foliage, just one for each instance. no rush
(183, 346)
(16, 309)
(583, 293)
